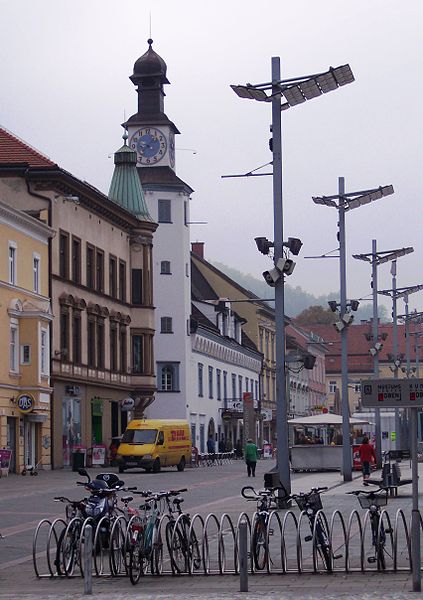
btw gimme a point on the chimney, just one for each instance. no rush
(198, 249)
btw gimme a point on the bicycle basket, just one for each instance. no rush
(313, 500)
(376, 500)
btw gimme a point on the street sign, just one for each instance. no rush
(392, 393)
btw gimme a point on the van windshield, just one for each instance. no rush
(139, 436)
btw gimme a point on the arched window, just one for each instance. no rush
(167, 378)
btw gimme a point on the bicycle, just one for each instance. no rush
(373, 501)
(146, 547)
(265, 499)
(311, 503)
(182, 544)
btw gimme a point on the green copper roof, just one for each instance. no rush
(125, 188)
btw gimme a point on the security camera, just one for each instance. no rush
(354, 305)
(373, 351)
(348, 318)
(378, 346)
(263, 244)
(333, 305)
(339, 326)
(289, 266)
(271, 277)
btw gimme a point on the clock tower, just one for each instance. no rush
(151, 134)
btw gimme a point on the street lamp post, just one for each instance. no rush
(294, 91)
(346, 202)
(377, 258)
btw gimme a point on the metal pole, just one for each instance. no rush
(378, 428)
(404, 431)
(395, 348)
(88, 560)
(281, 404)
(346, 444)
(415, 515)
(243, 557)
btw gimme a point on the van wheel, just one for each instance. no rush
(181, 465)
(121, 469)
(156, 466)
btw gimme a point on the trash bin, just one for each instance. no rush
(78, 460)
(272, 480)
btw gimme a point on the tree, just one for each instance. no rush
(316, 315)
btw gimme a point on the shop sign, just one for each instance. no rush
(267, 414)
(25, 403)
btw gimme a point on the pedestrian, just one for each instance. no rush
(250, 454)
(211, 447)
(367, 454)
(222, 445)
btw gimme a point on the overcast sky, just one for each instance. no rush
(64, 72)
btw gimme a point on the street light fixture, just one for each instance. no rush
(376, 258)
(344, 202)
(295, 91)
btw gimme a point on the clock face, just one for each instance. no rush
(150, 145)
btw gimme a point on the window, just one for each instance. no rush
(44, 353)
(186, 213)
(137, 295)
(99, 271)
(165, 215)
(26, 354)
(218, 384)
(91, 341)
(233, 386)
(14, 345)
(76, 260)
(137, 354)
(123, 354)
(225, 385)
(165, 267)
(12, 262)
(113, 347)
(200, 379)
(76, 337)
(240, 386)
(36, 260)
(64, 334)
(112, 277)
(210, 382)
(166, 325)
(332, 387)
(256, 389)
(168, 377)
(64, 254)
(122, 281)
(100, 343)
(90, 266)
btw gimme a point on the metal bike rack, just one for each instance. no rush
(218, 544)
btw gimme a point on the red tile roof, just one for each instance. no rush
(13, 150)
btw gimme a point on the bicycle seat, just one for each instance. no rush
(178, 501)
(127, 498)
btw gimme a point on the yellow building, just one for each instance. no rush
(25, 316)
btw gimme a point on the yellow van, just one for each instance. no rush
(155, 443)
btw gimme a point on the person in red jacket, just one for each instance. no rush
(367, 454)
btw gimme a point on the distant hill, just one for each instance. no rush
(296, 299)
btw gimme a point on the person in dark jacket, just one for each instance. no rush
(367, 454)
(250, 454)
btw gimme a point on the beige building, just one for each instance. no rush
(25, 317)
(102, 362)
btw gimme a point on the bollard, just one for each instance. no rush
(88, 560)
(243, 557)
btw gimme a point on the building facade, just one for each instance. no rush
(100, 278)
(25, 318)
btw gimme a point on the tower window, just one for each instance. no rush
(166, 325)
(165, 215)
(137, 296)
(64, 255)
(165, 267)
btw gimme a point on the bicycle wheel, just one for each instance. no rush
(381, 549)
(194, 550)
(67, 549)
(177, 547)
(157, 566)
(259, 545)
(136, 561)
(323, 546)
(117, 549)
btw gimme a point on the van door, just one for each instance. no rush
(161, 447)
